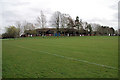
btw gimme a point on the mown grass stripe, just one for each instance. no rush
(106, 66)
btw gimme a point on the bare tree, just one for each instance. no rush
(41, 20)
(95, 26)
(29, 26)
(81, 24)
(56, 20)
(65, 22)
(70, 22)
(19, 26)
(84, 24)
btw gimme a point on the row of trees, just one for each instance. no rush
(58, 20)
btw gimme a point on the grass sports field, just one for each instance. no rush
(63, 57)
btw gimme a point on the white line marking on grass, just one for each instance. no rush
(73, 59)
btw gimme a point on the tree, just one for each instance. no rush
(81, 27)
(19, 26)
(89, 28)
(116, 32)
(77, 24)
(56, 21)
(70, 22)
(11, 32)
(85, 25)
(81, 24)
(64, 22)
(28, 26)
(95, 28)
(86, 28)
(4, 35)
(41, 20)
(112, 31)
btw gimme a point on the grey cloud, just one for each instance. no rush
(14, 2)
(9, 13)
(105, 22)
(18, 10)
(114, 7)
(35, 9)
(10, 16)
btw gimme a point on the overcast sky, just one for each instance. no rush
(103, 12)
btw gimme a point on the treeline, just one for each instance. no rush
(60, 22)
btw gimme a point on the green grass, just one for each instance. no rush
(36, 57)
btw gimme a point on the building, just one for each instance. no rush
(62, 31)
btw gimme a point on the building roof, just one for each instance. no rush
(54, 29)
